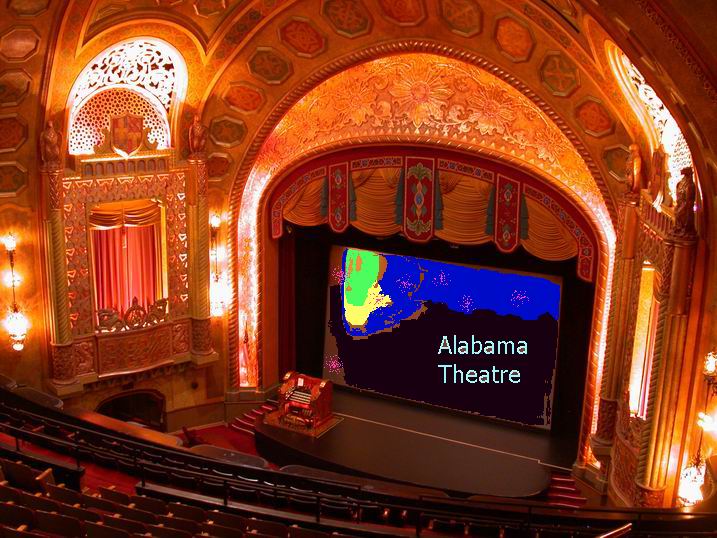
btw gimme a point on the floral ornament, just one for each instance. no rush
(421, 94)
(548, 144)
(353, 103)
(492, 110)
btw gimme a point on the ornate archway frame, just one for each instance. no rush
(239, 341)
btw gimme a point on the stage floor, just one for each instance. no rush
(397, 440)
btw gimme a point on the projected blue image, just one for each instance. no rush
(381, 290)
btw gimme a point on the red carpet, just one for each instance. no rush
(94, 477)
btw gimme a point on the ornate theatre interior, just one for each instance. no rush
(178, 179)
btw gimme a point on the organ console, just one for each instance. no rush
(304, 401)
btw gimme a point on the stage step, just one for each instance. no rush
(257, 412)
(234, 426)
(245, 423)
(564, 489)
(563, 492)
(268, 408)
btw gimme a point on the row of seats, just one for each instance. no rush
(45, 508)
(181, 469)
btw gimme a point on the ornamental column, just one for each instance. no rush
(63, 370)
(198, 223)
(611, 386)
(669, 360)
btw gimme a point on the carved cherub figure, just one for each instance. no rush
(633, 169)
(684, 206)
(50, 146)
(197, 136)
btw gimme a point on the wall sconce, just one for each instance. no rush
(693, 476)
(710, 371)
(16, 323)
(218, 285)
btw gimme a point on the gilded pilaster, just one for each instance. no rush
(198, 213)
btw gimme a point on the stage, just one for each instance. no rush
(387, 438)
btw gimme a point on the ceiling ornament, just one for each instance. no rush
(514, 38)
(350, 18)
(465, 17)
(403, 12)
(19, 44)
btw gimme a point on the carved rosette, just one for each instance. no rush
(201, 336)
(64, 367)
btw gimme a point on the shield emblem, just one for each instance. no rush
(127, 132)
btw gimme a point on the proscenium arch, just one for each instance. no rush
(249, 190)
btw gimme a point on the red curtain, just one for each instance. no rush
(126, 265)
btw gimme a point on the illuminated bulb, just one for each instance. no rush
(16, 324)
(219, 294)
(11, 281)
(10, 242)
(691, 480)
(710, 364)
(215, 221)
(706, 422)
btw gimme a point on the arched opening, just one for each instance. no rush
(144, 407)
(407, 99)
(304, 281)
(135, 88)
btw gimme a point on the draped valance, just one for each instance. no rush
(125, 213)
(426, 197)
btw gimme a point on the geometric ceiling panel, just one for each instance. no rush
(207, 8)
(28, 8)
(404, 12)
(269, 66)
(465, 17)
(14, 85)
(13, 133)
(594, 118)
(615, 158)
(218, 165)
(13, 177)
(18, 44)
(302, 37)
(514, 38)
(227, 131)
(350, 18)
(559, 74)
(244, 97)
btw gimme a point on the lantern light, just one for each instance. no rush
(692, 477)
(215, 221)
(16, 324)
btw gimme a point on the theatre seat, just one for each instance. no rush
(124, 524)
(95, 530)
(63, 494)
(298, 532)
(113, 495)
(20, 532)
(258, 526)
(226, 519)
(149, 504)
(58, 524)
(167, 532)
(187, 512)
